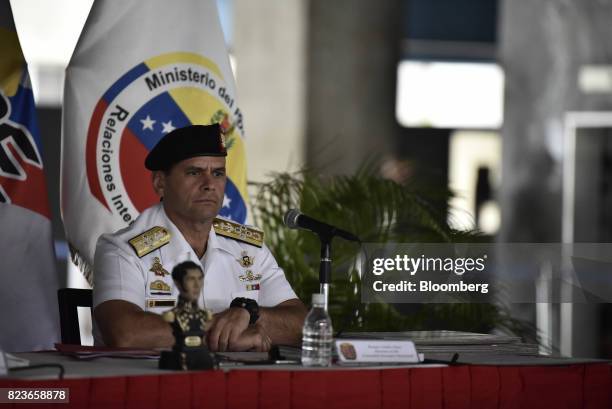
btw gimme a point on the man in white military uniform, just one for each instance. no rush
(253, 303)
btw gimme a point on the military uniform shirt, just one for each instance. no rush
(231, 269)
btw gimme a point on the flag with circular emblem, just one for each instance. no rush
(28, 276)
(140, 70)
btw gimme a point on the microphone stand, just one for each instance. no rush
(325, 266)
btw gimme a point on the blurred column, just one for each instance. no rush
(353, 53)
(270, 54)
(545, 45)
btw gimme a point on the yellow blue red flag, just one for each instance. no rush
(140, 70)
(27, 260)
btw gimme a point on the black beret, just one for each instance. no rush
(185, 143)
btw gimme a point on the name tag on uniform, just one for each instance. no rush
(160, 303)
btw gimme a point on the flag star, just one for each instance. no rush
(168, 127)
(147, 123)
(226, 201)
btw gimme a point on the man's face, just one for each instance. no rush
(192, 284)
(193, 188)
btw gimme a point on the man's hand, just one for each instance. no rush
(282, 324)
(254, 338)
(226, 329)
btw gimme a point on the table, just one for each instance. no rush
(126, 383)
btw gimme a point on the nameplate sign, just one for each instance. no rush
(381, 351)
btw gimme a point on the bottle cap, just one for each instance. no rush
(318, 298)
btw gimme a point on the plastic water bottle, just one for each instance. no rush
(317, 335)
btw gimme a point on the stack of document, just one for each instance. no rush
(9, 361)
(88, 352)
(450, 342)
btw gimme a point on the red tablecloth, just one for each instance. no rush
(575, 386)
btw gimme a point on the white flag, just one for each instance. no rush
(28, 277)
(140, 70)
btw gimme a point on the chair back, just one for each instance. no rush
(68, 299)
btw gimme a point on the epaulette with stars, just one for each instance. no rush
(237, 231)
(150, 240)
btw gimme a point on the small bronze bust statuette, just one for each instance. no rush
(188, 321)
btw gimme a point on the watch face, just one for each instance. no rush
(249, 305)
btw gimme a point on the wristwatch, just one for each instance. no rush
(248, 304)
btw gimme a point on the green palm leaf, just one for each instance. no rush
(378, 211)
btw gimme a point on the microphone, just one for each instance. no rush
(294, 219)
